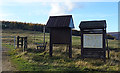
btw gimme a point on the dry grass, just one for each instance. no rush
(38, 61)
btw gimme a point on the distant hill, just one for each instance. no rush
(29, 26)
(115, 34)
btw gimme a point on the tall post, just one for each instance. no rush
(82, 44)
(104, 33)
(18, 42)
(25, 43)
(21, 42)
(70, 45)
(51, 46)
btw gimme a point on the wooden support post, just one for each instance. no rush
(70, 45)
(21, 42)
(51, 46)
(70, 51)
(18, 42)
(25, 43)
(51, 49)
(104, 44)
(82, 44)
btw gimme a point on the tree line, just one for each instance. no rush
(29, 26)
(22, 25)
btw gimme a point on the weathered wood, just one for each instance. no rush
(93, 52)
(18, 42)
(82, 44)
(104, 44)
(60, 35)
(60, 31)
(70, 45)
(51, 50)
(23, 42)
(51, 45)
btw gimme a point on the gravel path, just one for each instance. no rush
(6, 64)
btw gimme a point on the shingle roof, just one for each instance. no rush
(93, 24)
(60, 21)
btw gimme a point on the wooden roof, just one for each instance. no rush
(60, 21)
(101, 24)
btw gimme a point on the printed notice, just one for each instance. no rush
(92, 40)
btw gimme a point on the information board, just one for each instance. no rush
(92, 40)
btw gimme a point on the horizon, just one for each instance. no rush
(72, 29)
(39, 12)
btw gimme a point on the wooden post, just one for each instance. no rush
(18, 42)
(51, 46)
(108, 50)
(51, 49)
(70, 51)
(82, 44)
(25, 43)
(70, 45)
(104, 33)
(21, 42)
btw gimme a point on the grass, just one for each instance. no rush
(40, 61)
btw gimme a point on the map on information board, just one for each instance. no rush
(92, 40)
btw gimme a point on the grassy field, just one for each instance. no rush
(40, 61)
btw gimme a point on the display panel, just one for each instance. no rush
(92, 40)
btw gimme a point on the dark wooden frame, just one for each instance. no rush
(23, 40)
(103, 49)
(67, 42)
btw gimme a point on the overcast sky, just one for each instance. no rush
(38, 11)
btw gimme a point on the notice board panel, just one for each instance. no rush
(92, 40)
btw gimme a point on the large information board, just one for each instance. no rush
(92, 40)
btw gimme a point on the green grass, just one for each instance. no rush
(40, 61)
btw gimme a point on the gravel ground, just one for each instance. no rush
(6, 64)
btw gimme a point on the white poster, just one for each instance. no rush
(92, 40)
